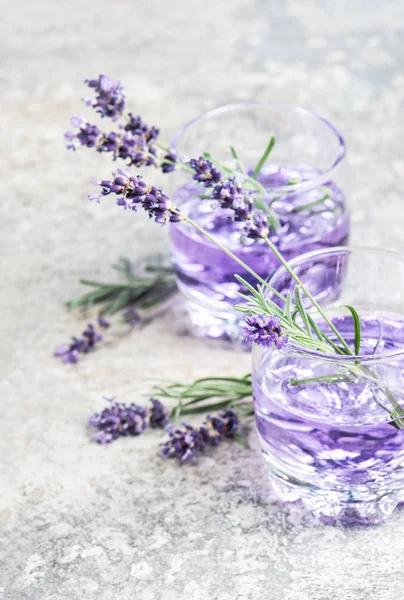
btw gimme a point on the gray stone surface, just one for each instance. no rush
(79, 521)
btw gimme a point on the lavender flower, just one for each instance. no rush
(257, 226)
(103, 323)
(136, 148)
(109, 100)
(225, 425)
(136, 126)
(205, 172)
(117, 420)
(169, 161)
(230, 194)
(185, 443)
(132, 317)
(90, 336)
(88, 135)
(159, 414)
(134, 192)
(265, 330)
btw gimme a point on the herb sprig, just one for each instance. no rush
(142, 288)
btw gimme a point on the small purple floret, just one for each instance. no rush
(109, 100)
(169, 162)
(90, 337)
(185, 443)
(133, 192)
(257, 227)
(205, 172)
(265, 330)
(159, 414)
(118, 420)
(132, 317)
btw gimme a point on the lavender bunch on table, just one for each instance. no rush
(121, 420)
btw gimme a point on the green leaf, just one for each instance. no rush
(245, 283)
(288, 307)
(241, 440)
(314, 327)
(234, 153)
(357, 326)
(311, 204)
(301, 309)
(264, 157)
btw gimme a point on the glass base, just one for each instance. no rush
(337, 507)
(214, 321)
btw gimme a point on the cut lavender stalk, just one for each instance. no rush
(142, 288)
(117, 420)
(90, 337)
(185, 443)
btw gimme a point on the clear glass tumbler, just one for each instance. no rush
(336, 443)
(301, 171)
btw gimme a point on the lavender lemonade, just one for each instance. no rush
(301, 188)
(328, 428)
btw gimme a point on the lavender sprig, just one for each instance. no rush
(265, 331)
(209, 394)
(140, 289)
(134, 141)
(90, 337)
(185, 443)
(133, 193)
(120, 419)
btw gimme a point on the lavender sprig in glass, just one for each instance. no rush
(269, 322)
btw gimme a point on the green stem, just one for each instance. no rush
(264, 157)
(325, 378)
(232, 256)
(311, 204)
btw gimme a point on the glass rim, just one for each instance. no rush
(334, 251)
(291, 188)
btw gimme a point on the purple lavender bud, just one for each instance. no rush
(225, 425)
(71, 357)
(117, 420)
(78, 121)
(137, 127)
(137, 193)
(168, 163)
(109, 100)
(265, 330)
(103, 323)
(132, 317)
(88, 135)
(70, 352)
(257, 226)
(158, 414)
(205, 172)
(184, 444)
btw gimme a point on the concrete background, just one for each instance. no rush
(79, 521)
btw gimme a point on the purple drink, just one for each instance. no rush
(205, 274)
(336, 444)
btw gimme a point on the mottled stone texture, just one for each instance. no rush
(83, 522)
